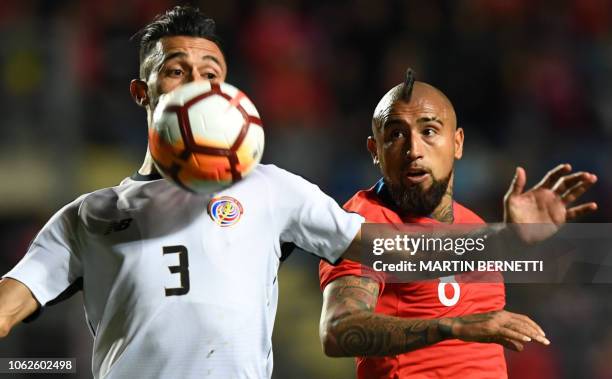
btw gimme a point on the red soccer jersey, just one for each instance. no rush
(447, 359)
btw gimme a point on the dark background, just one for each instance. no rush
(530, 81)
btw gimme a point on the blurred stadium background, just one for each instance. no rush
(531, 82)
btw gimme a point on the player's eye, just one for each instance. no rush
(210, 76)
(429, 132)
(175, 72)
(397, 134)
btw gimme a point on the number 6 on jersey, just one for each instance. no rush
(449, 302)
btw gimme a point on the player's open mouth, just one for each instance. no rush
(415, 175)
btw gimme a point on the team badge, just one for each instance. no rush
(225, 210)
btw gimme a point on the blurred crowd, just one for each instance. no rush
(531, 82)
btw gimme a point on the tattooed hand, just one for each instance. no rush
(509, 329)
(350, 328)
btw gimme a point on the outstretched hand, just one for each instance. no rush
(508, 329)
(548, 203)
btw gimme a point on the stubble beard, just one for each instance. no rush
(413, 200)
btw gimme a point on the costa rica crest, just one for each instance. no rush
(225, 210)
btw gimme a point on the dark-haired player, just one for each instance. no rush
(170, 292)
(425, 329)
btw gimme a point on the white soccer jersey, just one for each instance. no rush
(177, 285)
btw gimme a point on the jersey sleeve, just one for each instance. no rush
(52, 262)
(310, 219)
(328, 273)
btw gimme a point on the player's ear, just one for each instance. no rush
(459, 143)
(139, 92)
(372, 149)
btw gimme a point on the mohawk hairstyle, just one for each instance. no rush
(401, 92)
(182, 20)
(408, 85)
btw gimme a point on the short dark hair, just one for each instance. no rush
(182, 20)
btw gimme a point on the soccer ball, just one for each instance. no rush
(205, 136)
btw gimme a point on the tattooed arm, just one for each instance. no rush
(349, 327)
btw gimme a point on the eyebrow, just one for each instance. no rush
(429, 119)
(390, 121)
(398, 120)
(182, 54)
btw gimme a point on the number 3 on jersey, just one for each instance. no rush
(182, 269)
(449, 302)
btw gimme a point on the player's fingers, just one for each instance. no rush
(511, 333)
(510, 344)
(518, 183)
(580, 210)
(554, 175)
(529, 321)
(527, 329)
(574, 192)
(523, 327)
(568, 181)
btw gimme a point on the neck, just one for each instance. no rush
(147, 167)
(444, 210)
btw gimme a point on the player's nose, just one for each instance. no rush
(195, 76)
(414, 148)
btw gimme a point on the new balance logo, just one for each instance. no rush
(117, 226)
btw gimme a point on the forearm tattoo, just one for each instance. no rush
(379, 335)
(445, 329)
(360, 332)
